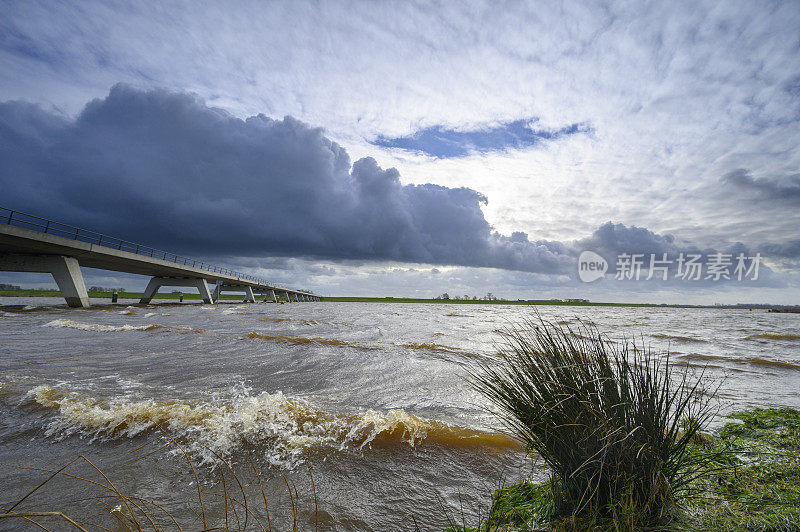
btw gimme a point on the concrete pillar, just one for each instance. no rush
(217, 292)
(270, 294)
(249, 297)
(65, 271)
(288, 299)
(157, 282)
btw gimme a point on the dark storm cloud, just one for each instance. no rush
(611, 240)
(787, 189)
(164, 169)
(785, 250)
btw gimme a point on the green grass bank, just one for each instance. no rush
(753, 484)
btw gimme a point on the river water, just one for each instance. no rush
(362, 409)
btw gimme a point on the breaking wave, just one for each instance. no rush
(102, 328)
(285, 426)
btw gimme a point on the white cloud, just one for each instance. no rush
(679, 94)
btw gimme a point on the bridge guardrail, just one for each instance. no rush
(37, 223)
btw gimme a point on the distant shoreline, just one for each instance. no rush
(352, 299)
(359, 299)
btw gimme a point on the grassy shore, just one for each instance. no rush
(755, 484)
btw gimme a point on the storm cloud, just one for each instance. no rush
(165, 169)
(784, 190)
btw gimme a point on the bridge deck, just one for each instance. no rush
(89, 250)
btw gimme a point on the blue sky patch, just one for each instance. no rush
(444, 143)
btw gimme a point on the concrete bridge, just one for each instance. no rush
(32, 244)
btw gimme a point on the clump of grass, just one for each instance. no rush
(607, 418)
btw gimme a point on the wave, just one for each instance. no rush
(701, 356)
(773, 336)
(774, 363)
(432, 347)
(196, 330)
(102, 328)
(285, 426)
(679, 338)
(151, 314)
(300, 340)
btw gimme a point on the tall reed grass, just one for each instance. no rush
(613, 421)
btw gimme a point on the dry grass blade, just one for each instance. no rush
(234, 501)
(291, 497)
(314, 489)
(51, 477)
(27, 516)
(194, 472)
(261, 487)
(241, 488)
(115, 490)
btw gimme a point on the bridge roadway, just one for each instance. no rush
(32, 244)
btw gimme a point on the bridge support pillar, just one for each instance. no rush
(249, 297)
(157, 282)
(65, 271)
(288, 299)
(270, 294)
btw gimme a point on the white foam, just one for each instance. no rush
(98, 327)
(287, 426)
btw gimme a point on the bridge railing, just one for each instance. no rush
(51, 227)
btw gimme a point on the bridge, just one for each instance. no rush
(32, 244)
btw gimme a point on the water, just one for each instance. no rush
(372, 397)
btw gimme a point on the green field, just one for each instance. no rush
(480, 301)
(346, 299)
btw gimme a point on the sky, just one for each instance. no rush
(411, 149)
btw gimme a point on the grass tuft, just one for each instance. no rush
(607, 418)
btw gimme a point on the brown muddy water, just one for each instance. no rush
(372, 397)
